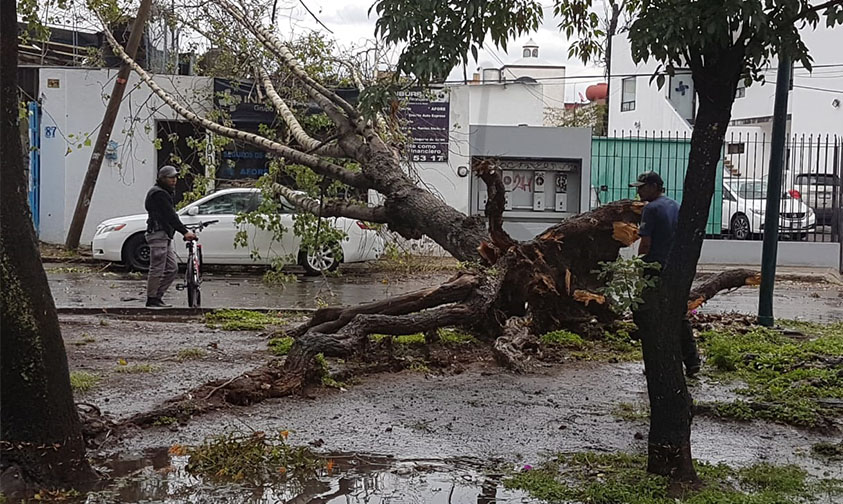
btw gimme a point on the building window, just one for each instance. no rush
(736, 148)
(628, 94)
(535, 53)
(740, 92)
(526, 53)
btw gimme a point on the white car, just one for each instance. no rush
(122, 238)
(744, 205)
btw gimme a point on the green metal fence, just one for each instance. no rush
(617, 161)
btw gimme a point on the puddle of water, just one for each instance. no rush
(155, 476)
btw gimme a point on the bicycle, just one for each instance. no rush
(193, 272)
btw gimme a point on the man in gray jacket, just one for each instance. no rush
(161, 225)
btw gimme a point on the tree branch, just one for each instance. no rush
(331, 208)
(318, 165)
(817, 8)
(326, 98)
(301, 136)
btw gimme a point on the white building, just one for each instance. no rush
(73, 102)
(531, 68)
(815, 104)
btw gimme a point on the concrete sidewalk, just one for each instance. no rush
(792, 273)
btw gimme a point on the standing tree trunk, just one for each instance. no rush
(41, 432)
(670, 402)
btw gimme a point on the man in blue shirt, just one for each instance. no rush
(657, 229)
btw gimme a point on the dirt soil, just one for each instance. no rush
(478, 410)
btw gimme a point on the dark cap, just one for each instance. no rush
(649, 177)
(167, 171)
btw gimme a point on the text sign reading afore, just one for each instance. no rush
(428, 115)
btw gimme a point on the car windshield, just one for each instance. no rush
(752, 190)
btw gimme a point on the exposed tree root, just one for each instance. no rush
(524, 290)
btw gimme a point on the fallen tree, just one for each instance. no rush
(524, 290)
(511, 293)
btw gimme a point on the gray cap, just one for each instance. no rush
(168, 171)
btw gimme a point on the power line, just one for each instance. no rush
(643, 74)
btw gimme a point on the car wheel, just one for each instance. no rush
(741, 229)
(136, 253)
(323, 261)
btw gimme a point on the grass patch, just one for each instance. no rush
(404, 339)
(70, 269)
(83, 381)
(135, 275)
(252, 458)
(164, 421)
(615, 346)
(563, 338)
(455, 337)
(631, 412)
(831, 451)
(446, 336)
(325, 372)
(137, 369)
(784, 377)
(622, 478)
(281, 346)
(84, 340)
(240, 320)
(190, 354)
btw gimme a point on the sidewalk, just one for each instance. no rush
(792, 273)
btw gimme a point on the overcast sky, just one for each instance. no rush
(352, 26)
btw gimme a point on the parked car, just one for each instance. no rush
(744, 205)
(817, 191)
(122, 238)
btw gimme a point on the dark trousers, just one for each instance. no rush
(163, 268)
(690, 354)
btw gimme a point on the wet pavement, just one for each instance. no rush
(84, 287)
(87, 287)
(156, 476)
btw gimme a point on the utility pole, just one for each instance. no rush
(774, 193)
(94, 165)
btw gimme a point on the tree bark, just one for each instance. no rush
(41, 432)
(669, 449)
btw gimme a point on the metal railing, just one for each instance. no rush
(811, 189)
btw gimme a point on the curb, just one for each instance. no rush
(165, 312)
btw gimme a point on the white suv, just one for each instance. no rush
(744, 205)
(817, 191)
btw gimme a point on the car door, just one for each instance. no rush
(218, 239)
(269, 246)
(730, 204)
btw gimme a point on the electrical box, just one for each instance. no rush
(538, 191)
(561, 192)
(546, 174)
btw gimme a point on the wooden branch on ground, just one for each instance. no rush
(726, 280)
(332, 319)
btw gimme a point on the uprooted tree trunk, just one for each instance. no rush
(41, 442)
(527, 289)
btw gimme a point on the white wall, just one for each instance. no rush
(653, 111)
(811, 110)
(76, 107)
(551, 77)
(500, 104)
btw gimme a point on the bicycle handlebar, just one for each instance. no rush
(199, 226)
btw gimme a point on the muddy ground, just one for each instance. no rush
(478, 411)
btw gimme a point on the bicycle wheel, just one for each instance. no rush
(194, 297)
